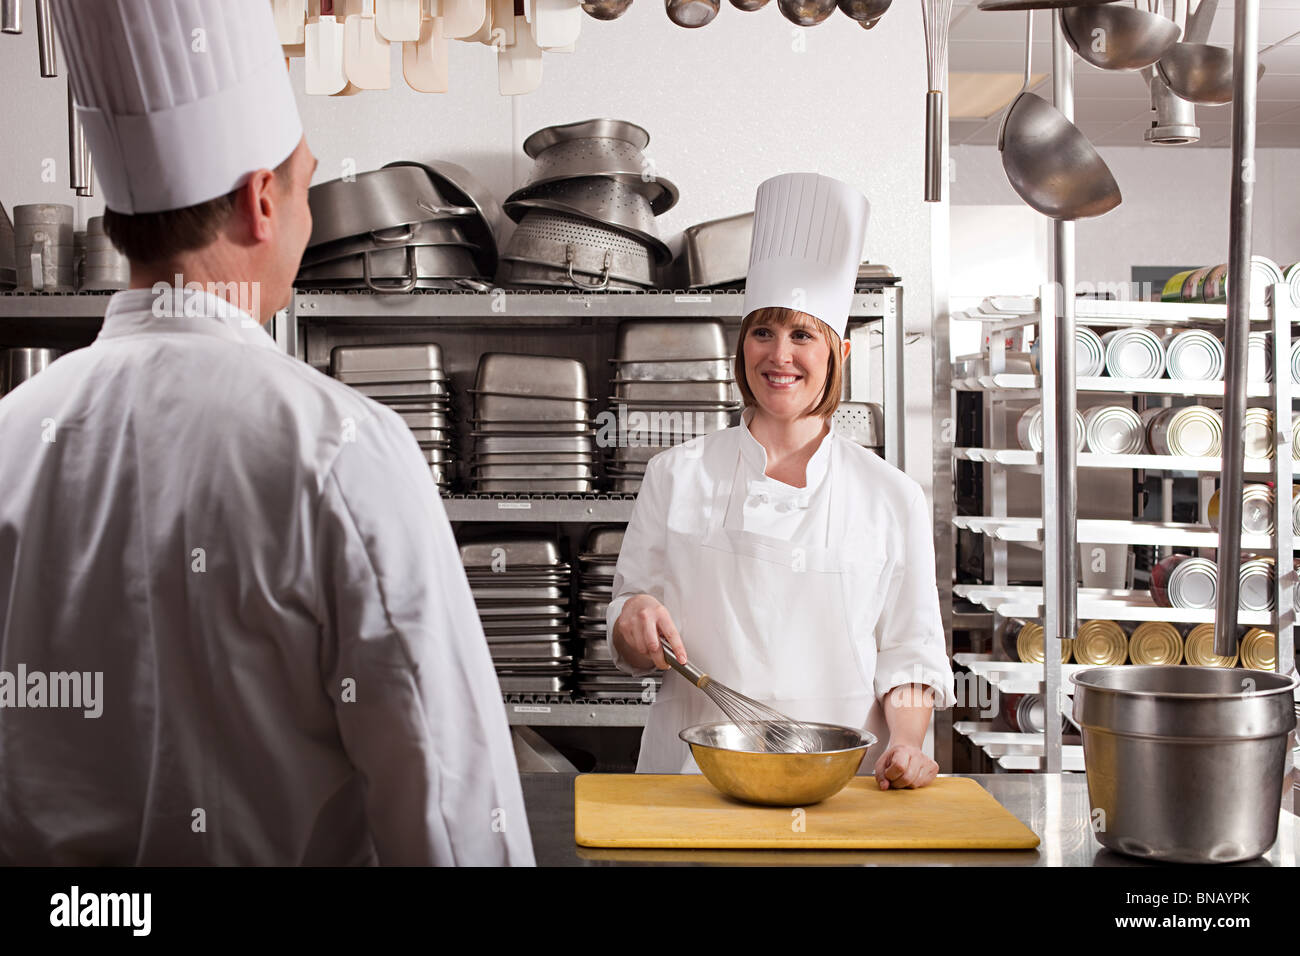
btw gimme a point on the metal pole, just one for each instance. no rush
(1245, 59)
(1066, 451)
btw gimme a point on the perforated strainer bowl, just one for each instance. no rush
(575, 244)
(861, 422)
(607, 201)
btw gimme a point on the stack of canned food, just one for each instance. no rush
(1103, 643)
(1183, 581)
(1190, 430)
(1210, 283)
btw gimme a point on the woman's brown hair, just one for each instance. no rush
(780, 317)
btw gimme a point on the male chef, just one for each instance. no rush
(249, 559)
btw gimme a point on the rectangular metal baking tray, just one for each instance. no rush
(368, 358)
(656, 339)
(532, 444)
(713, 392)
(561, 486)
(518, 551)
(515, 374)
(550, 594)
(532, 685)
(547, 469)
(605, 540)
(416, 391)
(703, 369)
(493, 406)
(531, 650)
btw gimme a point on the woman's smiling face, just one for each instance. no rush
(786, 365)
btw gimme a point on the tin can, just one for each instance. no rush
(1029, 430)
(1155, 642)
(1259, 357)
(1100, 643)
(1258, 508)
(1295, 347)
(1089, 354)
(1295, 436)
(1026, 713)
(1198, 648)
(1134, 353)
(1257, 433)
(1194, 584)
(1258, 650)
(1148, 415)
(1192, 430)
(1295, 509)
(1160, 572)
(1185, 286)
(1029, 644)
(1264, 272)
(1291, 274)
(1255, 585)
(1114, 430)
(1194, 355)
(1214, 285)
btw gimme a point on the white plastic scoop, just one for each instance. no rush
(424, 63)
(519, 65)
(399, 21)
(366, 58)
(463, 18)
(555, 23)
(290, 21)
(324, 39)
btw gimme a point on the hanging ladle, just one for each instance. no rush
(1118, 37)
(1051, 165)
(1196, 71)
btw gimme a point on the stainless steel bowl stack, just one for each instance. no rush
(407, 226)
(587, 213)
(521, 588)
(598, 678)
(532, 426)
(671, 383)
(17, 365)
(410, 380)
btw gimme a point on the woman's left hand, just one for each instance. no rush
(903, 766)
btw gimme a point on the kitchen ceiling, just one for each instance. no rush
(1113, 109)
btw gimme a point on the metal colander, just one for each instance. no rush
(600, 156)
(601, 200)
(861, 422)
(574, 244)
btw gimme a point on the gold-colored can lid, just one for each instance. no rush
(1100, 643)
(1029, 644)
(1199, 648)
(1155, 642)
(1259, 650)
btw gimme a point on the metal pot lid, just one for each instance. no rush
(586, 129)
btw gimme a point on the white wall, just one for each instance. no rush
(726, 106)
(1175, 208)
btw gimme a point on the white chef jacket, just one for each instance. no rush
(257, 560)
(881, 516)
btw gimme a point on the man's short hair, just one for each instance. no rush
(158, 237)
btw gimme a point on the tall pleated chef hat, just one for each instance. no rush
(181, 99)
(807, 246)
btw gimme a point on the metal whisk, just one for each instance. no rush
(936, 15)
(768, 729)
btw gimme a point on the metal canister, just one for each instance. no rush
(1192, 430)
(1029, 644)
(1295, 509)
(1089, 353)
(1148, 415)
(1027, 713)
(1295, 347)
(1114, 430)
(1194, 584)
(1199, 648)
(1257, 433)
(1258, 510)
(1155, 642)
(1295, 436)
(1100, 643)
(1134, 353)
(1255, 585)
(1259, 357)
(1264, 272)
(1194, 355)
(1258, 650)
(1214, 285)
(1029, 429)
(1185, 286)
(1160, 572)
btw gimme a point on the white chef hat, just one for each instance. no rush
(180, 99)
(807, 246)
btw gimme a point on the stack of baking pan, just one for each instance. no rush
(404, 227)
(411, 381)
(521, 589)
(532, 426)
(672, 382)
(598, 678)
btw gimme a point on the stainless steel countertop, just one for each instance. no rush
(1054, 806)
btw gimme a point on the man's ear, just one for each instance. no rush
(256, 203)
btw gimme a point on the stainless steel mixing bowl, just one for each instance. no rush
(1185, 764)
(777, 779)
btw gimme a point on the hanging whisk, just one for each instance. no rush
(768, 730)
(936, 15)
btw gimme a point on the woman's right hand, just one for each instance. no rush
(641, 623)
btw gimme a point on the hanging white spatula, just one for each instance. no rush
(500, 23)
(463, 18)
(366, 58)
(556, 23)
(399, 20)
(424, 63)
(519, 66)
(484, 33)
(324, 37)
(290, 21)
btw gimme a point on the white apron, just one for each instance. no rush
(769, 619)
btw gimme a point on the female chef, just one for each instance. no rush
(789, 563)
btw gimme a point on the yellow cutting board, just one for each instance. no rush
(685, 811)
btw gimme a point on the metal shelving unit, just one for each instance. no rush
(1006, 601)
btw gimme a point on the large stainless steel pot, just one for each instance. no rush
(1185, 764)
(379, 199)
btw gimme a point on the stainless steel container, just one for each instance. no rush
(1193, 355)
(1114, 430)
(538, 486)
(1255, 586)
(1192, 430)
(1155, 642)
(694, 370)
(1185, 764)
(1029, 429)
(714, 392)
(1100, 643)
(1134, 353)
(17, 365)
(1198, 648)
(660, 340)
